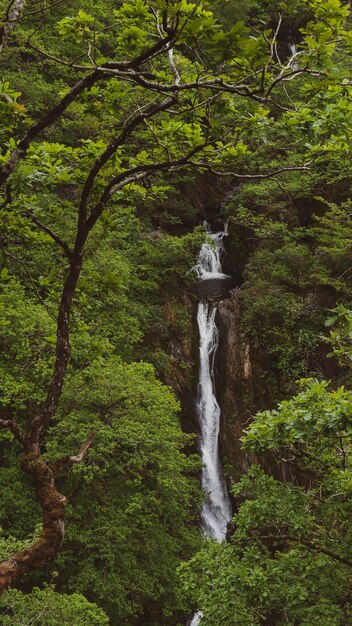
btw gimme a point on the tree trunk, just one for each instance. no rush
(12, 16)
(47, 545)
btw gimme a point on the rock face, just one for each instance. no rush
(214, 289)
(183, 348)
(241, 394)
(235, 387)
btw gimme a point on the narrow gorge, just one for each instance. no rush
(216, 509)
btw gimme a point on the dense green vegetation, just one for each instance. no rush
(109, 113)
(289, 558)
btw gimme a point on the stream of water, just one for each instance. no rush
(216, 508)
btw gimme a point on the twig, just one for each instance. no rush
(271, 175)
(48, 231)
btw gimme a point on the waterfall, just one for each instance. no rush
(294, 54)
(292, 48)
(216, 508)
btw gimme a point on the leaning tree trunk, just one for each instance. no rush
(53, 505)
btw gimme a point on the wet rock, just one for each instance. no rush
(235, 387)
(214, 289)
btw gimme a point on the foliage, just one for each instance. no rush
(290, 556)
(45, 607)
(315, 417)
(133, 500)
(297, 248)
(277, 302)
(27, 337)
(341, 335)
(135, 478)
(88, 222)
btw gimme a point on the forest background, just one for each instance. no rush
(113, 115)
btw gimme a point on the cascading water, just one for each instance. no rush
(216, 509)
(292, 61)
(292, 48)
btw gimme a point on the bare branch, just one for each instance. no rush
(48, 231)
(170, 51)
(288, 73)
(273, 48)
(297, 168)
(216, 84)
(78, 458)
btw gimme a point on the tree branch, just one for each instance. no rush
(43, 8)
(84, 226)
(48, 231)
(49, 118)
(297, 168)
(40, 422)
(53, 505)
(136, 173)
(53, 114)
(12, 15)
(78, 458)
(308, 544)
(127, 70)
(128, 128)
(14, 428)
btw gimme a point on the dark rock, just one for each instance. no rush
(241, 393)
(234, 387)
(214, 289)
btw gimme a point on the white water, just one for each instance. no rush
(216, 509)
(292, 61)
(196, 619)
(292, 48)
(209, 259)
